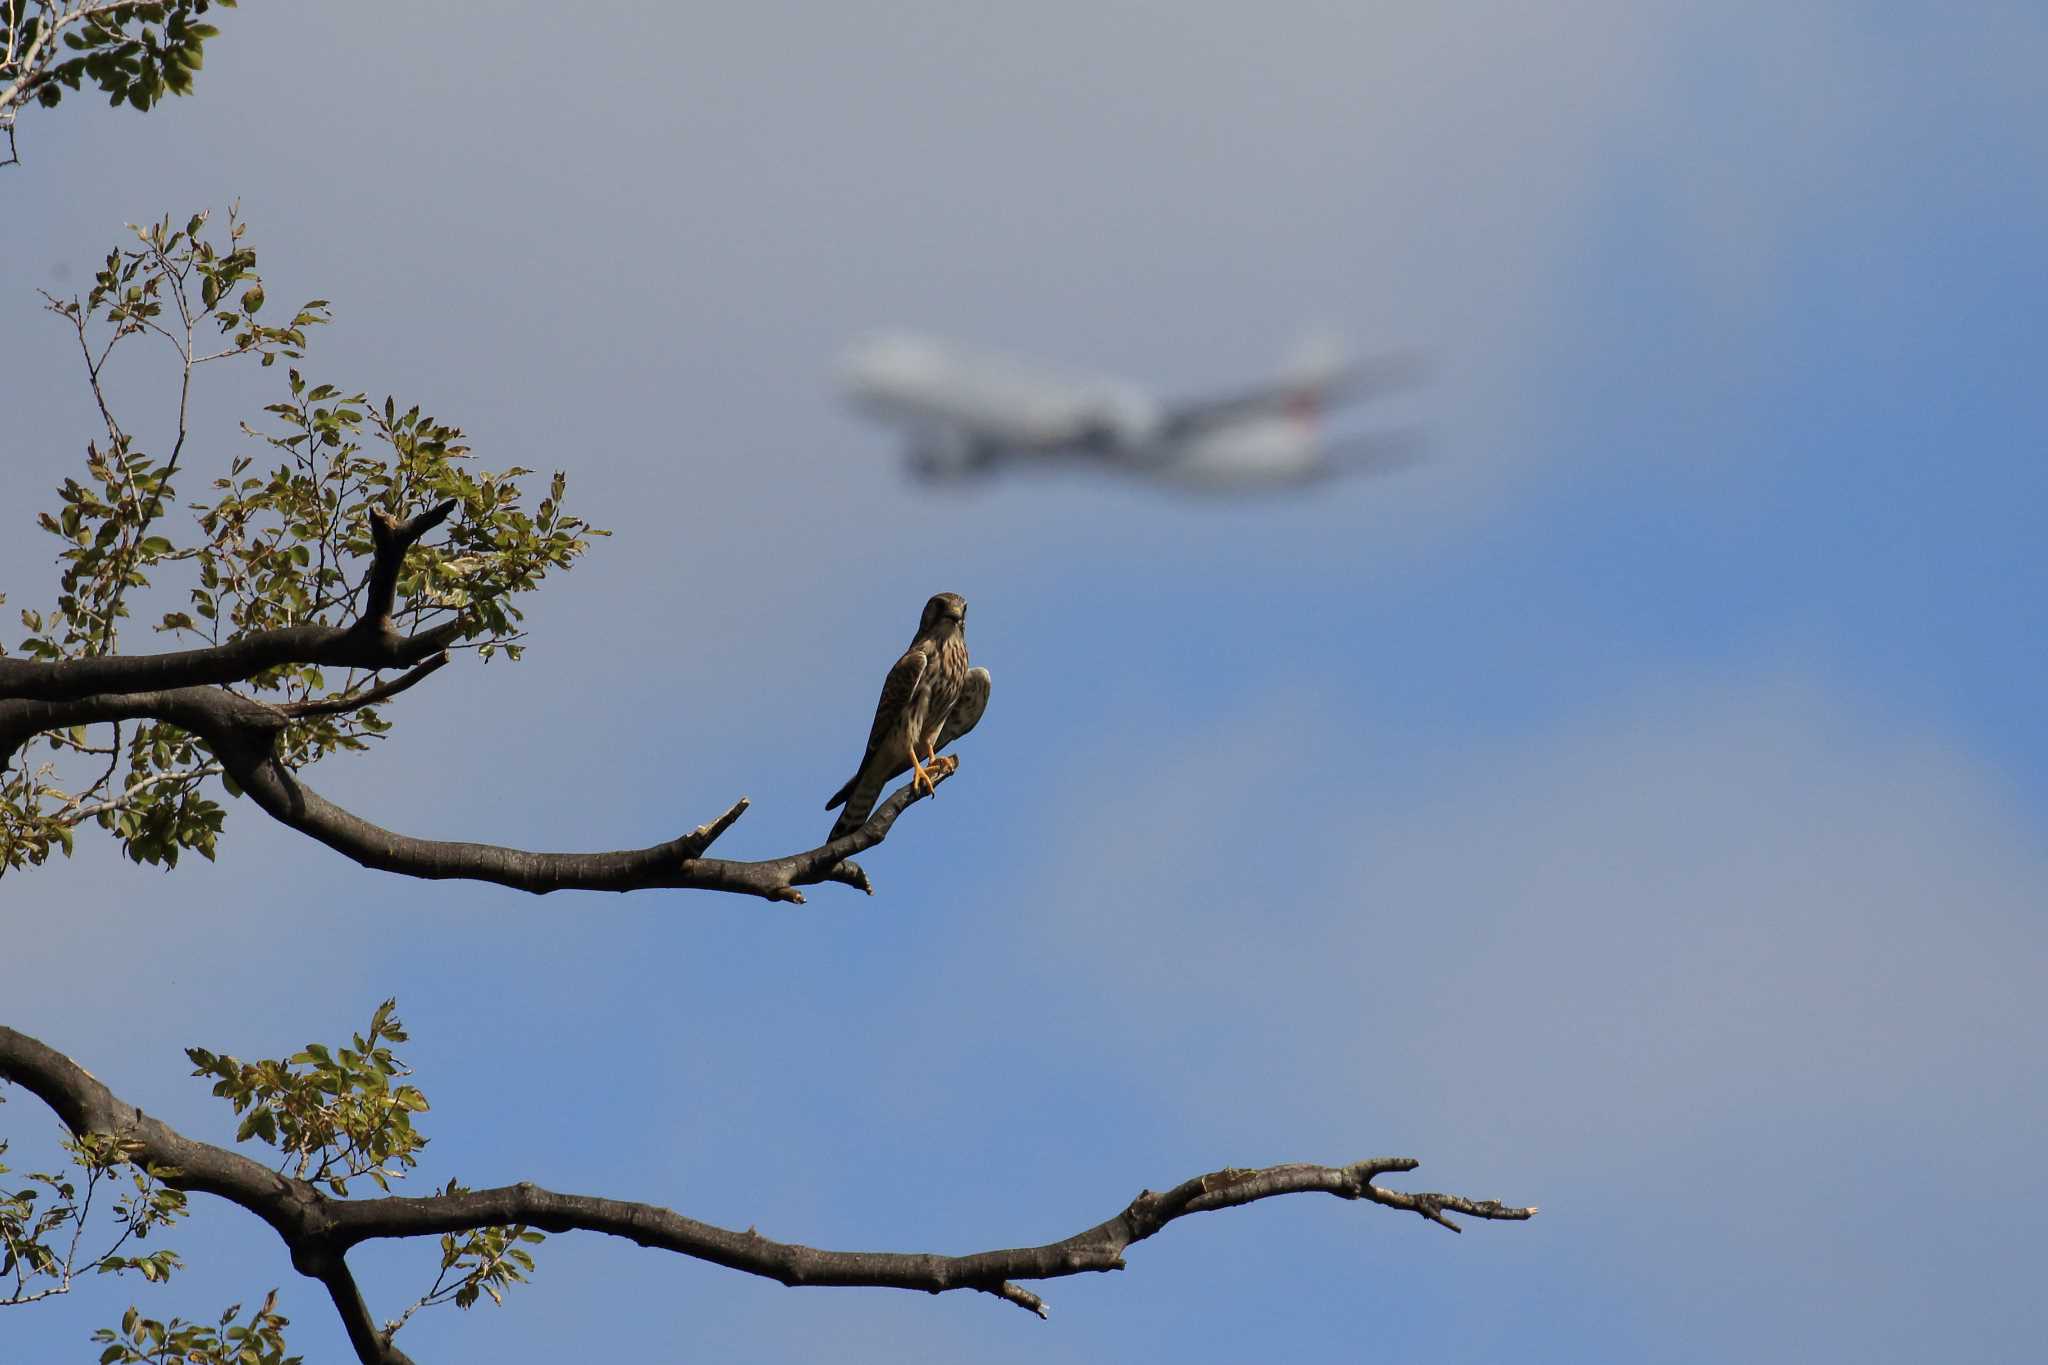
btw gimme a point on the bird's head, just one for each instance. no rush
(946, 610)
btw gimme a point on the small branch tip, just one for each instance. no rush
(1022, 1297)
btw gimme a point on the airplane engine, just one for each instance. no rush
(944, 456)
(1277, 449)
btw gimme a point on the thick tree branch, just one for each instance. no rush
(85, 1105)
(372, 642)
(319, 1231)
(390, 539)
(373, 1345)
(243, 732)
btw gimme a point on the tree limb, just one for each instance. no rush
(373, 1345)
(371, 642)
(390, 538)
(182, 688)
(356, 701)
(243, 733)
(1099, 1248)
(319, 1231)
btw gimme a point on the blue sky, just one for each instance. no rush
(1637, 810)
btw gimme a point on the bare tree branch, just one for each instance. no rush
(319, 1231)
(243, 732)
(1099, 1248)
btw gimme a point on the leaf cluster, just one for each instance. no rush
(339, 1113)
(180, 287)
(146, 1341)
(44, 1224)
(135, 51)
(490, 1259)
(287, 546)
(487, 1261)
(282, 538)
(336, 1114)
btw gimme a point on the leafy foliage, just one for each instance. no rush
(282, 539)
(489, 1259)
(45, 1223)
(340, 1113)
(486, 1261)
(145, 1341)
(335, 1113)
(134, 51)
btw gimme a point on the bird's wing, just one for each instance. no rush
(896, 691)
(964, 716)
(966, 712)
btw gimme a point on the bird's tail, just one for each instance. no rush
(839, 797)
(860, 796)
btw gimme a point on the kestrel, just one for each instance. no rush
(930, 698)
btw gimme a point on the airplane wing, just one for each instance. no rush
(1305, 393)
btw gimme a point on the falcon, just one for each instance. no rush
(930, 698)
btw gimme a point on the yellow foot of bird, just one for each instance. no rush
(937, 765)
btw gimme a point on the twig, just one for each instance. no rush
(334, 706)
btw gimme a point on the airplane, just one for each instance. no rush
(969, 414)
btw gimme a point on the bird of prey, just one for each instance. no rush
(929, 699)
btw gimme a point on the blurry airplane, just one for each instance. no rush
(969, 414)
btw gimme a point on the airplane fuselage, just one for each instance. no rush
(968, 414)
